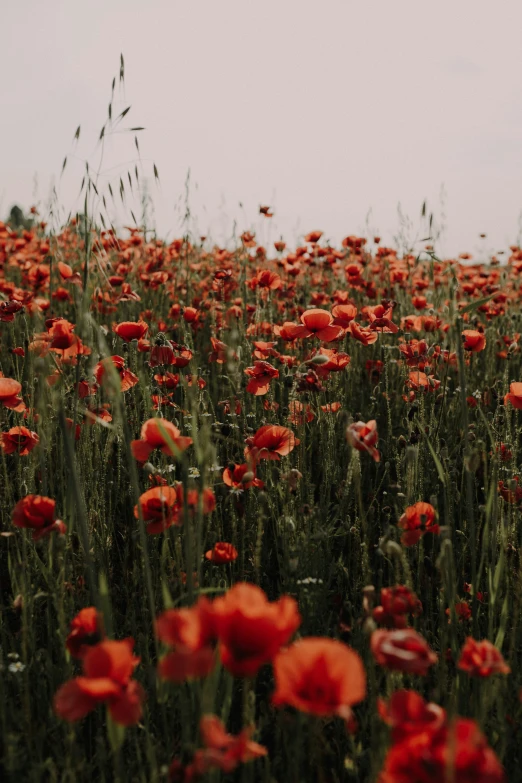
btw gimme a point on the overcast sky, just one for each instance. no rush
(322, 109)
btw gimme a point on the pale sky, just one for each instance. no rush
(322, 109)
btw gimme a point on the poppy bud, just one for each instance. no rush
(392, 549)
(318, 359)
(18, 603)
(369, 626)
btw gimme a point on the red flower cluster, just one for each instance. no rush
(396, 603)
(106, 679)
(248, 629)
(428, 747)
(37, 513)
(222, 751)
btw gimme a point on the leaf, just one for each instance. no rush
(77, 134)
(499, 639)
(477, 303)
(64, 164)
(102, 133)
(436, 460)
(136, 129)
(168, 603)
(156, 175)
(124, 112)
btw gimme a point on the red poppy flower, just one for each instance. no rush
(251, 629)
(481, 659)
(336, 361)
(9, 391)
(190, 315)
(396, 603)
(266, 278)
(169, 380)
(107, 671)
(261, 374)
(37, 513)
(315, 323)
(220, 352)
(415, 353)
(407, 713)
(514, 396)
(242, 477)
(419, 381)
(299, 413)
(61, 333)
(417, 520)
(127, 378)
(361, 334)
(8, 310)
(313, 236)
(318, 675)
(221, 553)
(65, 270)
(85, 631)
(457, 751)
(161, 355)
(364, 437)
(248, 238)
(462, 611)
(402, 650)
(86, 389)
(512, 491)
(222, 750)
(343, 314)
(263, 350)
(271, 442)
(381, 319)
(159, 508)
(208, 500)
(473, 341)
(331, 407)
(160, 434)
(19, 440)
(131, 330)
(190, 632)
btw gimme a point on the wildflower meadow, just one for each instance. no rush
(260, 507)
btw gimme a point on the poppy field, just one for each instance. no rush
(260, 510)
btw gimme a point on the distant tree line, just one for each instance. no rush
(18, 220)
